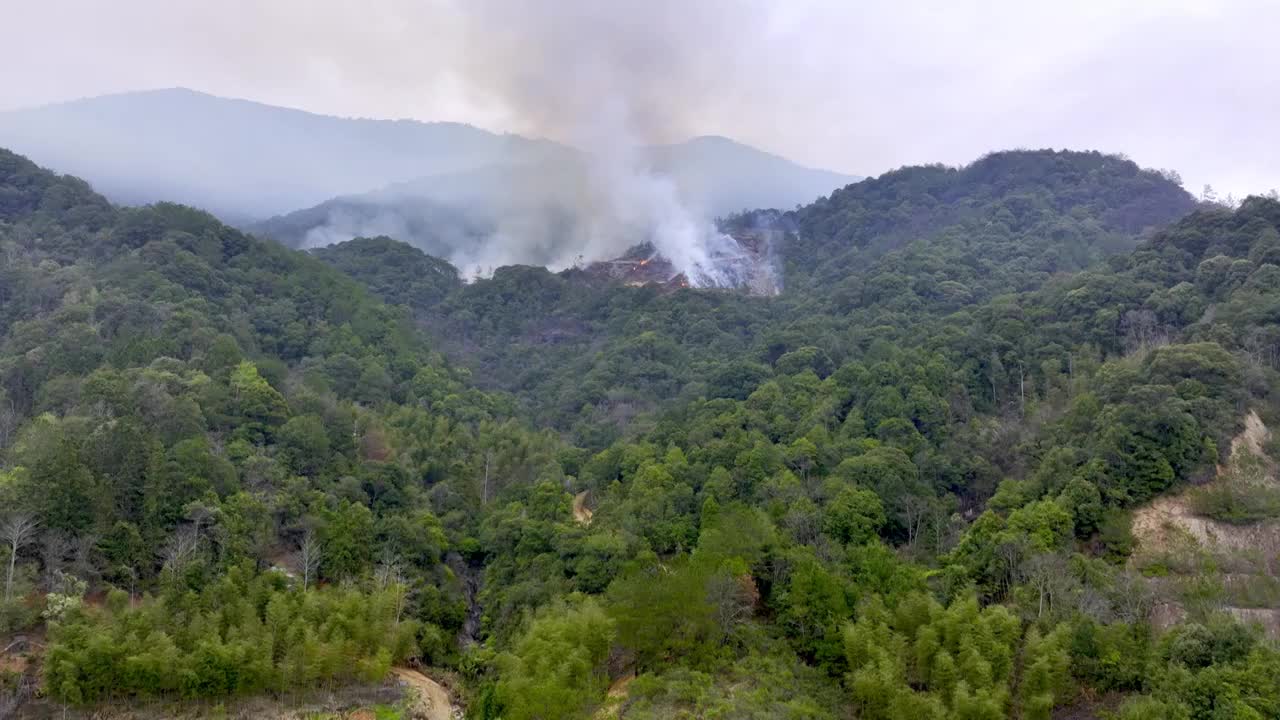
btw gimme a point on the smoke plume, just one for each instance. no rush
(610, 80)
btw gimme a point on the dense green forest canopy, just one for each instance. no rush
(899, 490)
(905, 258)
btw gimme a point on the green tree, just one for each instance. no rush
(557, 668)
(854, 515)
(348, 535)
(258, 407)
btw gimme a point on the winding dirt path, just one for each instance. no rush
(613, 701)
(581, 512)
(1253, 436)
(433, 701)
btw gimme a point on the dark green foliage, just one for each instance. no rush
(400, 274)
(1000, 199)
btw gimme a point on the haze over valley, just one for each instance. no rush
(476, 198)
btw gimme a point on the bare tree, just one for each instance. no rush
(199, 514)
(180, 549)
(1050, 577)
(1141, 330)
(915, 509)
(945, 527)
(388, 570)
(733, 599)
(132, 573)
(995, 369)
(54, 548)
(82, 560)
(309, 555)
(1022, 389)
(18, 529)
(1010, 554)
(1132, 597)
(802, 521)
(9, 421)
(488, 463)
(389, 574)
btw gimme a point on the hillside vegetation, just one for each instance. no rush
(910, 258)
(902, 489)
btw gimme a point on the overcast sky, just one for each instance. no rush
(860, 87)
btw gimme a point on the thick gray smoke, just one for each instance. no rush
(611, 80)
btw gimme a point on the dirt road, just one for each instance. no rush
(581, 512)
(433, 701)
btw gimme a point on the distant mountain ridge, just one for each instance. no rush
(247, 161)
(239, 158)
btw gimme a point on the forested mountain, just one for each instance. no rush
(1031, 211)
(944, 240)
(901, 489)
(182, 407)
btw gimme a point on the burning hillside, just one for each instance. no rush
(740, 260)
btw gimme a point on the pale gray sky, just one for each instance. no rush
(861, 87)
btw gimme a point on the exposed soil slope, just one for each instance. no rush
(1173, 543)
(581, 512)
(433, 701)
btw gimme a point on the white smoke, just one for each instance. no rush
(627, 201)
(343, 224)
(574, 209)
(610, 84)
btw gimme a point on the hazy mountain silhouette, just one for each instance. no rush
(247, 161)
(238, 158)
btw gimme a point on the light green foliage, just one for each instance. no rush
(305, 443)
(767, 683)
(66, 597)
(956, 661)
(1082, 499)
(1148, 708)
(662, 610)
(257, 405)
(556, 668)
(242, 634)
(813, 605)
(1043, 526)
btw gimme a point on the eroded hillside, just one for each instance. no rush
(1217, 546)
